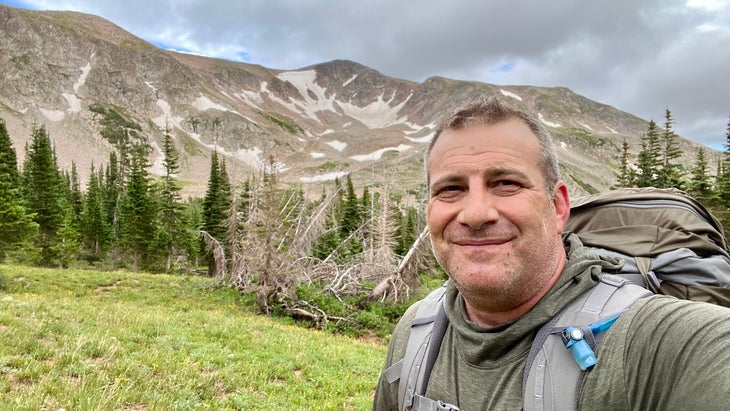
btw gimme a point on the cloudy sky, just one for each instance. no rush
(640, 56)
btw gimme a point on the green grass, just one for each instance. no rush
(86, 340)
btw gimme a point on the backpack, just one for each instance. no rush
(669, 243)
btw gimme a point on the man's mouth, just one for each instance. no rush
(481, 242)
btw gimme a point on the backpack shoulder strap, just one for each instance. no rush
(552, 376)
(414, 369)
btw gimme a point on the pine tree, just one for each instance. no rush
(626, 176)
(670, 174)
(723, 178)
(136, 211)
(8, 158)
(45, 192)
(170, 219)
(216, 203)
(407, 230)
(113, 190)
(16, 225)
(351, 219)
(68, 245)
(700, 185)
(648, 163)
(94, 226)
(75, 197)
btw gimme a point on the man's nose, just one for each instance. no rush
(478, 209)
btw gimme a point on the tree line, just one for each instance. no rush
(270, 240)
(259, 235)
(657, 164)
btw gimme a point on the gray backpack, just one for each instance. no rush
(670, 244)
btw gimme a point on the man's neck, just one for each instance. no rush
(489, 319)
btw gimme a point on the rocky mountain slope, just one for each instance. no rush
(77, 74)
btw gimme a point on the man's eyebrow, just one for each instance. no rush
(446, 179)
(504, 171)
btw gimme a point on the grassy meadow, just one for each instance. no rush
(88, 340)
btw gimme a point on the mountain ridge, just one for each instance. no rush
(68, 70)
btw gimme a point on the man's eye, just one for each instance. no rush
(507, 186)
(448, 191)
(508, 183)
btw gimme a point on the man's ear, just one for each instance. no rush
(561, 203)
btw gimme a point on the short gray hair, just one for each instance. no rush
(492, 111)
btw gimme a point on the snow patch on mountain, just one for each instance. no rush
(337, 145)
(317, 155)
(376, 155)
(546, 122)
(349, 81)
(510, 94)
(203, 103)
(421, 140)
(74, 103)
(167, 119)
(313, 95)
(252, 158)
(323, 177)
(586, 126)
(157, 167)
(251, 98)
(53, 115)
(82, 78)
(378, 114)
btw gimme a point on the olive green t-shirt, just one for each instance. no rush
(661, 354)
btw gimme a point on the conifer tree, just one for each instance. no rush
(170, 220)
(245, 200)
(723, 177)
(16, 225)
(68, 245)
(45, 192)
(407, 230)
(136, 211)
(113, 190)
(94, 225)
(8, 158)
(351, 219)
(700, 185)
(670, 174)
(626, 175)
(75, 197)
(648, 163)
(216, 204)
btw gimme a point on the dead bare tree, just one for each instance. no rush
(271, 244)
(406, 270)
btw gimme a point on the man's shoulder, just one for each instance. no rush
(662, 307)
(664, 320)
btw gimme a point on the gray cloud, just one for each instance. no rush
(639, 56)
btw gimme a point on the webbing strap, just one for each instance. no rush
(392, 373)
(440, 324)
(644, 265)
(536, 378)
(421, 403)
(600, 295)
(542, 335)
(412, 371)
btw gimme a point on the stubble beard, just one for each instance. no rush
(504, 285)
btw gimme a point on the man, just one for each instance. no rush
(496, 214)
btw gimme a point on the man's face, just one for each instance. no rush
(493, 228)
